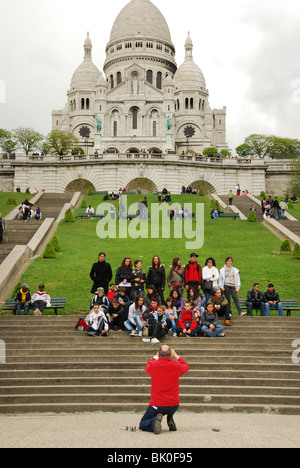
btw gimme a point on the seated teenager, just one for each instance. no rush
(117, 314)
(210, 322)
(220, 304)
(124, 299)
(97, 321)
(187, 322)
(101, 299)
(178, 302)
(272, 301)
(171, 313)
(156, 324)
(151, 294)
(135, 322)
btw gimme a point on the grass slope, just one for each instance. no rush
(251, 245)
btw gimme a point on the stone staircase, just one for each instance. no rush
(244, 204)
(50, 367)
(21, 232)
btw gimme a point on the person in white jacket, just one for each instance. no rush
(98, 322)
(230, 283)
(40, 300)
(210, 277)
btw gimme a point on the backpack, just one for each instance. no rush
(81, 325)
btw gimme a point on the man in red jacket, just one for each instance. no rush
(165, 373)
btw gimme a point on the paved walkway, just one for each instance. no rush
(105, 430)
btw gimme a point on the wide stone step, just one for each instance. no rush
(92, 407)
(145, 389)
(98, 364)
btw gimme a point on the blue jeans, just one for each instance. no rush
(278, 307)
(251, 306)
(129, 325)
(147, 421)
(21, 306)
(205, 329)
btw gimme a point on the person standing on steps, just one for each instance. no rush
(165, 369)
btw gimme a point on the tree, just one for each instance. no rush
(62, 142)
(243, 150)
(210, 152)
(27, 139)
(270, 146)
(294, 183)
(7, 141)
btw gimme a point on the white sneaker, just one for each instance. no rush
(175, 335)
(134, 333)
(140, 333)
(154, 340)
(146, 340)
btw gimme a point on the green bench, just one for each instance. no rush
(56, 303)
(288, 304)
(86, 216)
(229, 215)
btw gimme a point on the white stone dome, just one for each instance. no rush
(189, 76)
(87, 74)
(140, 18)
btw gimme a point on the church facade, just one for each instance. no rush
(142, 102)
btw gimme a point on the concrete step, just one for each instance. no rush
(50, 367)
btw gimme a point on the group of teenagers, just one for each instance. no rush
(126, 305)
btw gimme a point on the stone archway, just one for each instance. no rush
(141, 185)
(79, 185)
(206, 187)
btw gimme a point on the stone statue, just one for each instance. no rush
(98, 124)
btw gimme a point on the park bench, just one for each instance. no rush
(229, 215)
(95, 215)
(56, 303)
(288, 304)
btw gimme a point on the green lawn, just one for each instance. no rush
(251, 245)
(18, 197)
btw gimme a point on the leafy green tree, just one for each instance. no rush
(28, 139)
(210, 152)
(294, 183)
(7, 141)
(270, 146)
(62, 142)
(243, 150)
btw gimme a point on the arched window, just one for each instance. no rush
(159, 80)
(112, 85)
(115, 129)
(119, 78)
(149, 76)
(186, 103)
(154, 128)
(191, 103)
(82, 104)
(87, 102)
(134, 113)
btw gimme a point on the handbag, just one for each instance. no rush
(207, 286)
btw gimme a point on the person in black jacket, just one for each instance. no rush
(101, 274)
(157, 277)
(255, 300)
(272, 301)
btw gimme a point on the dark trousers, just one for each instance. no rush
(187, 327)
(147, 421)
(231, 292)
(156, 331)
(224, 311)
(41, 305)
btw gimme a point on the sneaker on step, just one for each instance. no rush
(154, 341)
(134, 333)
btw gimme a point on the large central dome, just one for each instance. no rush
(140, 18)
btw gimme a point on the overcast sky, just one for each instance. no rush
(248, 51)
